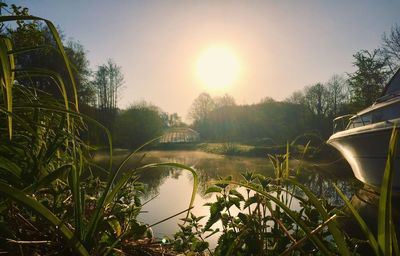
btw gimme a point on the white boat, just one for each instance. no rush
(364, 141)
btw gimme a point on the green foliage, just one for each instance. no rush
(137, 125)
(36, 47)
(189, 238)
(259, 221)
(49, 189)
(255, 216)
(369, 79)
(278, 120)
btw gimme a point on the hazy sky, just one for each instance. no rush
(282, 46)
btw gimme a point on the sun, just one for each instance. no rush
(217, 67)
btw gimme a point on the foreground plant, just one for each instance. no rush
(261, 215)
(52, 199)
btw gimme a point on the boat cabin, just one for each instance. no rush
(378, 112)
(386, 108)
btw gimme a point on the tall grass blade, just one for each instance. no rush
(46, 180)
(385, 237)
(287, 160)
(20, 121)
(396, 249)
(56, 78)
(57, 38)
(72, 114)
(289, 250)
(6, 81)
(364, 227)
(109, 194)
(332, 225)
(9, 46)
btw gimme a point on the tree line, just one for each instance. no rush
(311, 109)
(216, 118)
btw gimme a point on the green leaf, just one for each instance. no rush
(199, 246)
(250, 201)
(234, 201)
(385, 236)
(115, 225)
(213, 190)
(6, 79)
(243, 217)
(215, 214)
(10, 167)
(236, 193)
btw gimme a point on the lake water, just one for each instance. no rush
(169, 189)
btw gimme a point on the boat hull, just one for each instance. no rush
(366, 149)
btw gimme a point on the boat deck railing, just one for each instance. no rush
(341, 123)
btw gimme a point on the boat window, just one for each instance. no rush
(360, 121)
(356, 122)
(366, 119)
(386, 113)
(340, 123)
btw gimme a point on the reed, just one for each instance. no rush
(48, 182)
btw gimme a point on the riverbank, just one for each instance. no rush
(239, 149)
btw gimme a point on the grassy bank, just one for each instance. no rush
(235, 149)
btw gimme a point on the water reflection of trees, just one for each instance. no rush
(319, 178)
(210, 167)
(322, 187)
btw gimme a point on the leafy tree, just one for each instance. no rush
(368, 80)
(137, 125)
(279, 121)
(322, 102)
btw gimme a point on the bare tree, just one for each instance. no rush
(108, 82)
(391, 48)
(338, 94)
(316, 98)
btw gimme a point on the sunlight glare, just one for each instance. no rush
(217, 67)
